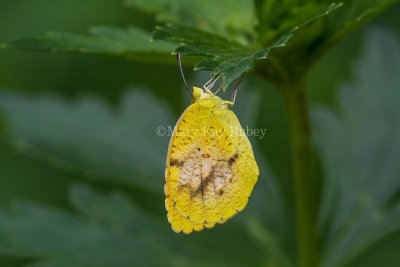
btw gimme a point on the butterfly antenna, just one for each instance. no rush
(178, 57)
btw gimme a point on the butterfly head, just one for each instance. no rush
(197, 93)
(202, 95)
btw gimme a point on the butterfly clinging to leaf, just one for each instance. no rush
(211, 170)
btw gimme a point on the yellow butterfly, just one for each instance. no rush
(210, 170)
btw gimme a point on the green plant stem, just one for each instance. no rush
(296, 98)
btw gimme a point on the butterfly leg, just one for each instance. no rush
(210, 84)
(235, 89)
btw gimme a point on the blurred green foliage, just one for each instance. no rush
(78, 133)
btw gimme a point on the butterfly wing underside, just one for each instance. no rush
(211, 170)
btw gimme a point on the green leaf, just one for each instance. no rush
(225, 56)
(105, 233)
(232, 21)
(307, 25)
(131, 43)
(223, 16)
(360, 203)
(276, 17)
(121, 147)
(352, 16)
(109, 230)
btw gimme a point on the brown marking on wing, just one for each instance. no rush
(175, 162)
(205, 182)
(233, 159)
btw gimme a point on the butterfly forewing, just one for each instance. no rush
(211, 170)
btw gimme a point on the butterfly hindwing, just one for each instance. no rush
(211, 169)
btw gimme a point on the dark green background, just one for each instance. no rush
(72, 75)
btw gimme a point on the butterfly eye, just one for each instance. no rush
(197, 92)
